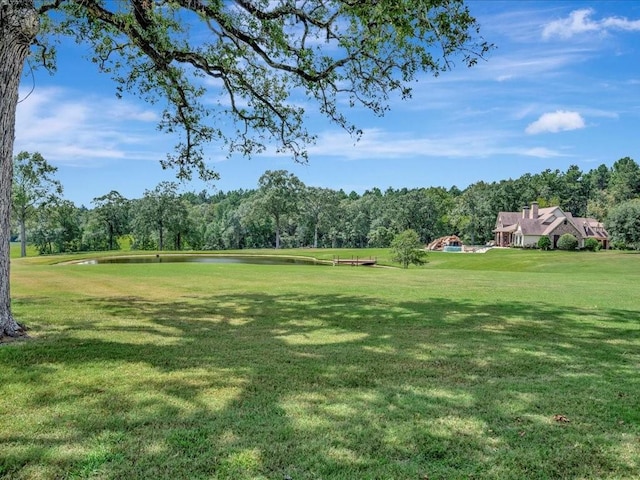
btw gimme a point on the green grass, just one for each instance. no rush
(15, 250)
(451, 370)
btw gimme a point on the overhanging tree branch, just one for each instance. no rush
(263, 54)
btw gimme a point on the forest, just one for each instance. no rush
(283, 212)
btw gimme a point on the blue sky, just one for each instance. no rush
(562, 88)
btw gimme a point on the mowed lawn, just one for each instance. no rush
(505, 365)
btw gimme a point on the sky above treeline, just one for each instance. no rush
(561, 88)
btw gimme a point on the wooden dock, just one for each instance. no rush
(355, 262)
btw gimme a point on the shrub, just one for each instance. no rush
(406, 248)
(567, 242)
(619, 245)
(544, 243)
(592, 245)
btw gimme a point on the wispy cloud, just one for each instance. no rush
(378, 143)
(581, 21)
(540, 152)
(533, 65)
(382, 144)
(558, 121)
(81, 130)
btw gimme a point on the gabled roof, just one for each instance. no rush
(590, 227)
(547, 220)
(507, 218)
(555, 224)
(531, 226)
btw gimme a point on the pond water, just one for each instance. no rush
(203, 258)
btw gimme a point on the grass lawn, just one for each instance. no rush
(506, 365)
(15, 250)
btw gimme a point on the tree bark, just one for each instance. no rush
(18, 27)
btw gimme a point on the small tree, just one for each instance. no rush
(406, 248)
(544, 243)
(33, 185)
(567, 242)
(592, 245)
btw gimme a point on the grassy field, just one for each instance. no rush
(15, 250)
(506, 365)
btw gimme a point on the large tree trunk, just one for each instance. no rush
(18, 27)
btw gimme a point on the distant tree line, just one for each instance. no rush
(284, 212)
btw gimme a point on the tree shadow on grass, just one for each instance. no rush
(332, 387)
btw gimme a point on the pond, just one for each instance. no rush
(204, 258)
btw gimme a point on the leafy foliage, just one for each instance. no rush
(34, 185)
(623, 224)
(406, 249)
(544, 243)
(159, 215)
(624, 181)
(592, 245)
(279, 196)
(112, 213)
(57, 227)
(567, 242)
(319, 208)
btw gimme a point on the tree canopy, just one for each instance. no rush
(306, 216)
(406, 249)
(623, 223)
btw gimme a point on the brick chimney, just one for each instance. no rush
(534, 209)
(525, 212)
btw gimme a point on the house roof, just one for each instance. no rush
(590, 227)
(547, 220)
(508, 228)
(531, 226)
(507, 219)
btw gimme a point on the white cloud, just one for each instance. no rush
(381, 144)
(580, 21)
(83, 130)
(525, 110)
(558, 121)
(621, 24)
(541, 152)
(377, 143)
(533, 64)
(122, 111)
